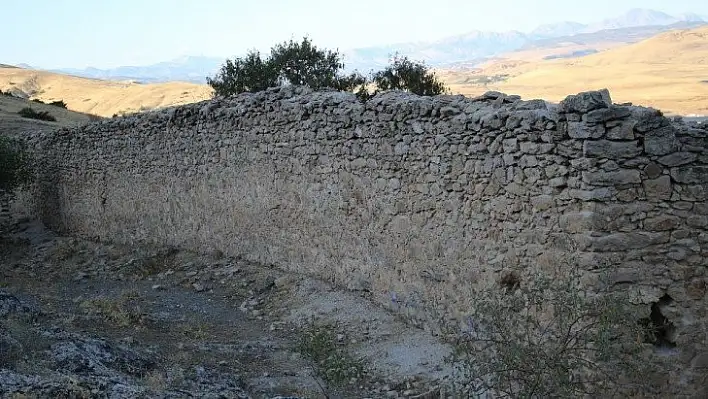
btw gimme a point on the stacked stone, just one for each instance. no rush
(415, 197)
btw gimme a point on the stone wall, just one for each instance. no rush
(413, 199)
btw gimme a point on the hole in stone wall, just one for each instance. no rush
(510, 281)
(661, 331)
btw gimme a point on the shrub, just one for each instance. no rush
(30, 113)
(59, 103)
(334, 364)
(15, 165)
(550, 338)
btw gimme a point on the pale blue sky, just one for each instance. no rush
(109, 33)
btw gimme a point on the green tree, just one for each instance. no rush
(304, 64)
(248, 74)
(407, 75)
(289, 63)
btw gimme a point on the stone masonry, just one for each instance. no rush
(413, 199)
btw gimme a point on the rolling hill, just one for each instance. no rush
(668, 71)
(98, 97)
(11, 123)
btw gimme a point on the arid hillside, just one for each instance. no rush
(99, 97)
(668, 71)
(11, 122)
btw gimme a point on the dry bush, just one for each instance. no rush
(547, 336)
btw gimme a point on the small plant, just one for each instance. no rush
(333, 363)
(64, 249)
(196, 332)
(116, 311)
(155, 263)
(548, 337)
(30, 113)
(156, 380)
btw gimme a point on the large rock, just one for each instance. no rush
(586, 101)
(606, 114)
(10, 305)
(582, 130)
(678, 158)
(620, 130)
(616, 177)
(661, 141)
(691, 174)
(648, 119)
(625, 241)
(611, 149)
(658, 189)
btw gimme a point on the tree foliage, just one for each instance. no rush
(15, 165)
(302, 63)
(413, 76)
(248, 74)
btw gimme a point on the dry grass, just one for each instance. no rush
(10, 106)
(100, 97)
(668, 71)
(116, 311)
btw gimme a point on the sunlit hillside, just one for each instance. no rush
(99, 97)
(668, 71)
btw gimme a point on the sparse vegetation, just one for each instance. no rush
(58, 103)
(29, 112)
(117, 311)
(15, 164)
(64, 250)
(320, 343)
(486, 79)
(549, 338)
(199, 331)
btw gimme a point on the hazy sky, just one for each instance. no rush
(109, 33)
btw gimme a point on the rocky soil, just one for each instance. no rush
(81, 319)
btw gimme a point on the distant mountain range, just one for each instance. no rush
(466, 49)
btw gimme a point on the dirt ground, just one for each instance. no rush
(81, 319)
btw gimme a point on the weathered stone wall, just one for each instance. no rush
(414, 199)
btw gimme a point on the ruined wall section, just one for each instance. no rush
(646, 220)
(413, 199)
